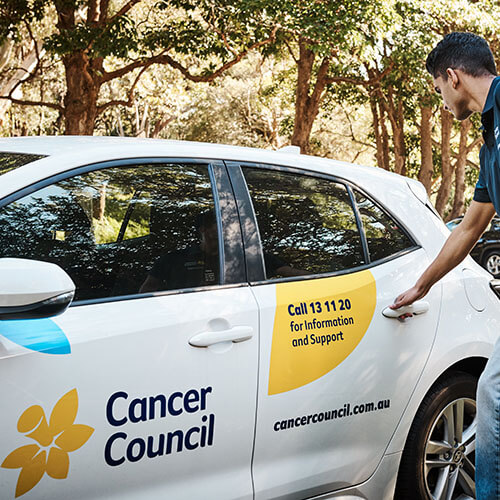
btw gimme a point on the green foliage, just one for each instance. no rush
(15, 12)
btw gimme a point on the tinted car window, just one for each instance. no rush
(10, 161)
(306, 224)
(383, 235)
(120, 230)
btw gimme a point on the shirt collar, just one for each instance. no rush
(491, 95)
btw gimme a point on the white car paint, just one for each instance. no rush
(141, 347)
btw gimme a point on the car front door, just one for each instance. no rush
(335, 374)
(146, 386)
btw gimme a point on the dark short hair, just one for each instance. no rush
(465, 51)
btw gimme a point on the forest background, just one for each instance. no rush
(341, 79)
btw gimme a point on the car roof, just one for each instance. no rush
(67, 152)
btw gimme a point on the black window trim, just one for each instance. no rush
(359, 223)
(215, 181)
(237, 178)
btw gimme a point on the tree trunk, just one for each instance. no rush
(99, 204)
(446, 166)
(399, 141)
(306, 103)
(82, 90)
(22, 73)
(395, 113)
(379, 154)
(83, 80)
(459, 201)
(427, 167)
(385, 140)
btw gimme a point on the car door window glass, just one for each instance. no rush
(306, 224)
(11, 161)
(120, 231)
(383, 235)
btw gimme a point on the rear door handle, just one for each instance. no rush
(236, 334)
(418, 307)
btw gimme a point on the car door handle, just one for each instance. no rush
(236, 334)
(418, 307)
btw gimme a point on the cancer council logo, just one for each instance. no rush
(53, 441)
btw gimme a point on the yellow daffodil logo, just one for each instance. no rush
(55, 439)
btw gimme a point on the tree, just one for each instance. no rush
(97, 44)
(319, 36)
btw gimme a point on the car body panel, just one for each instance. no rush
(141, 346)
(332, 455)
(123, 354)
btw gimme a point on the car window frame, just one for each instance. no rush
(254, 255)
(226, 212)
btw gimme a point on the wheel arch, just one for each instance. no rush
(488, 247)
(473, 366)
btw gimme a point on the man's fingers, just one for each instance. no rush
(399, 302)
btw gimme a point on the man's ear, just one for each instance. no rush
(453, 77)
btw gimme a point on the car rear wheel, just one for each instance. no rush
(491, 262)
(438, 459)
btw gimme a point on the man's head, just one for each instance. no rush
(206, 224)
(453, 63)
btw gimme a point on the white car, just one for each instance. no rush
(228, 333)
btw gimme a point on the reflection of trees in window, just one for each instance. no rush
(383, 235)
(108, 245)
(305, 221)
(10, 161)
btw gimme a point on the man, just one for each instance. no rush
(197, 265)
(464, 74)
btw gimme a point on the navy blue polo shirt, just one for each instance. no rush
(488, 185)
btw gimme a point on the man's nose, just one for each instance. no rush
(446, 107)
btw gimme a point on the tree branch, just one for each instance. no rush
(103, 12)
(320, 81)
(130, 95)
(212, 76)
(294, 57)
(140, 63)
(474, 144)
(351, 128)
(164, 58)
(123, 10)
(365, 83)
(455, 155)
(92, 12)
(33, 103)
(30, 74)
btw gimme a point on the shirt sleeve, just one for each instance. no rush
(481, 191)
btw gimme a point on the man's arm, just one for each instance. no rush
(457, 246)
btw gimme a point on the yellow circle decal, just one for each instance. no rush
(318, 324)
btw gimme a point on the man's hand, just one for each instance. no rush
(408, 297)
(457, 246)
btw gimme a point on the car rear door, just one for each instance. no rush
(335, 374)
(146, 386)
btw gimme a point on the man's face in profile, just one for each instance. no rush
(454, 99)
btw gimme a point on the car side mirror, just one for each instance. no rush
(33, 289)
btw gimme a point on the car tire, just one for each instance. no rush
(439, 451)
(491, 262)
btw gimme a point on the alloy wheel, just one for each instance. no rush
(493, 264)
(449, 452)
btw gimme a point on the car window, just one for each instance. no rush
(120, 231)
(11, 161)
(306, 224)
(383, 235)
